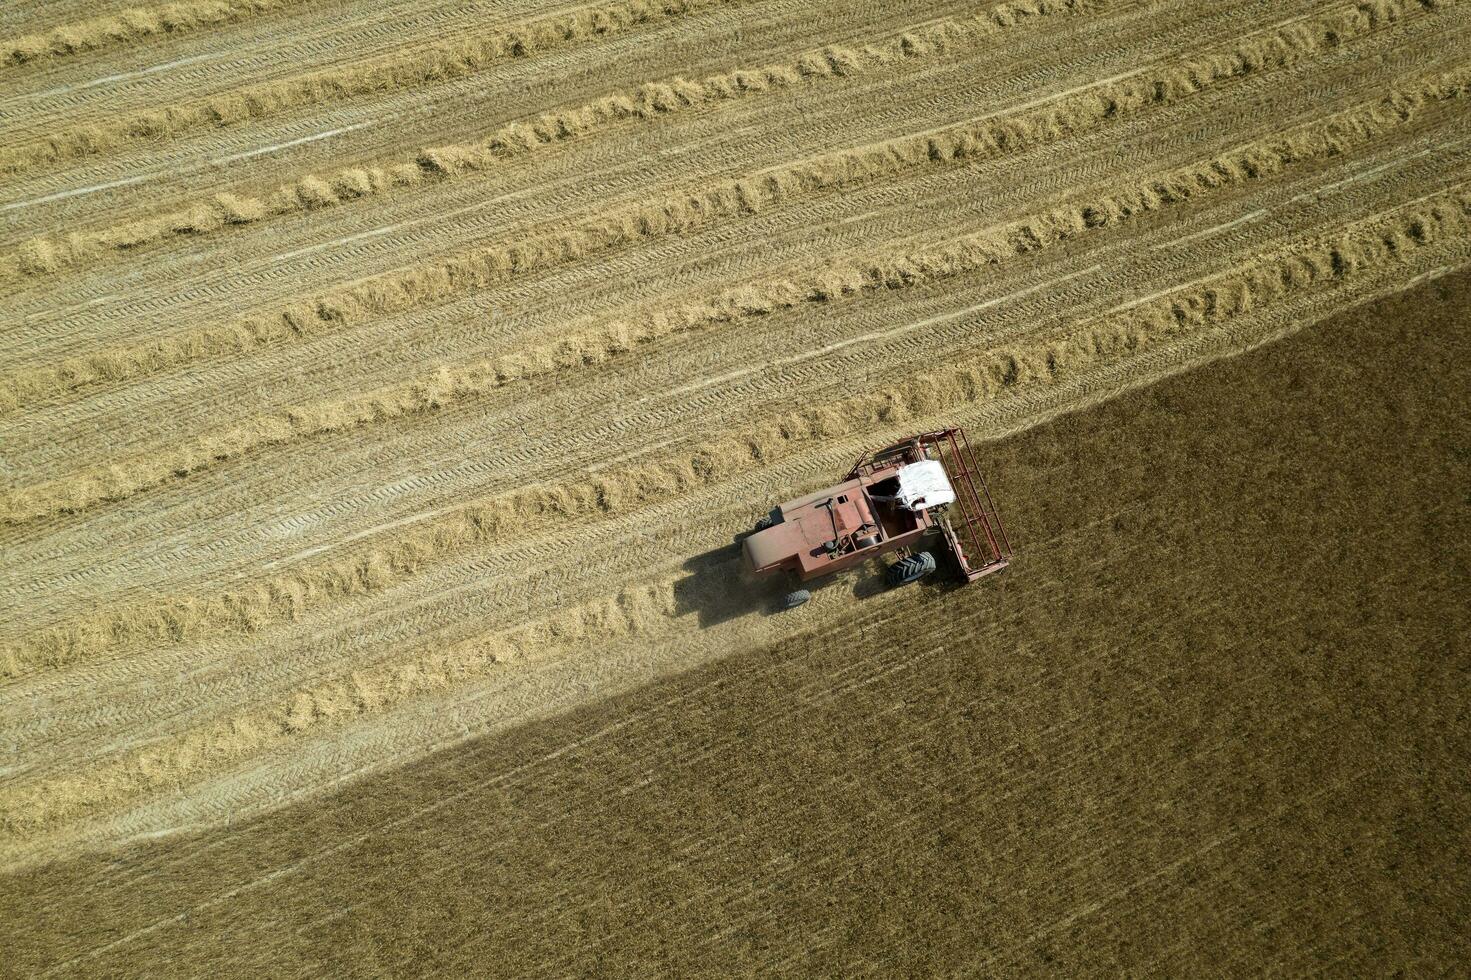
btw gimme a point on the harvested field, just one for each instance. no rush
(383, 386)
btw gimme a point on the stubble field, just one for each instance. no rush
(383, 386)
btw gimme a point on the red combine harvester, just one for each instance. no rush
(923, 493)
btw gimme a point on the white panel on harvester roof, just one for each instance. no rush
(923, 485)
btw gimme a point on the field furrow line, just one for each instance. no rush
(445, 465)
(651, 100)
(640, 610)
(443, 61)
(680, 212)
(1197, 309)
(409, 220)
(262, 52)
(467, 110)
(858, 670)
(643, 611)
(132, 26)
(834, 280)
(633, 612)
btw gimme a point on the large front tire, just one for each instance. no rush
(910, 568)
(796, 598)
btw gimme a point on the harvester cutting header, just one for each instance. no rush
(922, 494)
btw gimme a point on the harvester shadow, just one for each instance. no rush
(718, 587)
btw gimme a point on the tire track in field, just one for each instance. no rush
(636, 611)
(64, 250)
(443, 61)
(313, 37)
(446, 470)
(412, 620)
(1053, 118)
(655, 764)
(849, 244)
(714, 148)
(836, 279)
(132, 26)
(821, 99)
(466, 108)
(1200, 308)
(819, 689)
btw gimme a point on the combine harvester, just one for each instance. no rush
(920, 494)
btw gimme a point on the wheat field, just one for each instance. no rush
(383, 386)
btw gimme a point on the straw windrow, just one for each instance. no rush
(1360, 248)
(833, 280)
(682, 211)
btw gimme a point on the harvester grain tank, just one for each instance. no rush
(913, 498)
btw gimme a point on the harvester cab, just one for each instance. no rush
(923, 494)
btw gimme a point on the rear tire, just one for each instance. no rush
(796, 598)
(764, 523)
(910, 568)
